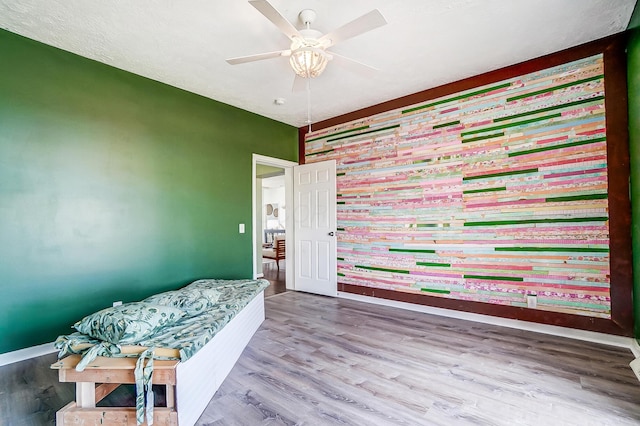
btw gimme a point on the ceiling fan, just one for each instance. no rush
(308, 53)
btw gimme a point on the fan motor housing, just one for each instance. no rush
(307, 16)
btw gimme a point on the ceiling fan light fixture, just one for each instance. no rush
(307, 60)
(308, 53)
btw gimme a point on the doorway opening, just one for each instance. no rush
(273, 227)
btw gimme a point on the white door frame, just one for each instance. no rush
(288, 190)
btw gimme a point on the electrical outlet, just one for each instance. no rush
(532, 301)
(118, 303)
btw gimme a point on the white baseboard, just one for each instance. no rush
(635, 364)
(26, 353)
(275, 295)
(589, 336)
(635, 348)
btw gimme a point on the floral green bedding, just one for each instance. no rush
(128, 323)
(188, 334)
(191, 300)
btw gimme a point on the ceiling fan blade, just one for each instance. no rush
(276, 17)
(359, 68)
(366, 22)
(258, 57)
(299, 84)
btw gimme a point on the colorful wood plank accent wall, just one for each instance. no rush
(486, 195)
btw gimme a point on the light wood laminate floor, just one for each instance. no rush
(325, 361)
(275, 276)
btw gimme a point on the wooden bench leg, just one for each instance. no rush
(171, 396)
(86, 394)
(72, 415)
(83, 411)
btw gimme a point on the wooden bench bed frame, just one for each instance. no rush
(190, 384)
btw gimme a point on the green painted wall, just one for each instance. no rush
(114, 187)
(633, 81)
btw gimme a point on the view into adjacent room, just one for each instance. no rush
(270, 229)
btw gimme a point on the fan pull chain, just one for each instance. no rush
(309, 103)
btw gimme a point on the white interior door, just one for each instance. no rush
(314, 192)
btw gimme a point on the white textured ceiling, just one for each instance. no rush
(426, 43)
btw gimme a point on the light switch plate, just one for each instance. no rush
(241, 228)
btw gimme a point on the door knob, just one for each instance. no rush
(331, 234)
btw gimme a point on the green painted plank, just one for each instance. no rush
(456, 98)
(577, 198)
(365, 133)
(342, 202)
(340, 274)
(452, 123)
(340, 229)
(531, 221)
(435, 290)
(373, 268)
(514, 124)
(319, 152)
(551, 108)
(357, 129)
(499, 174)
(480, 138)
(340, 174)
(556, 249)
(551, 89)
(560, 146)
(412, 250)
(444, 265)
(492, 277)
(475, 191)
(340, 258)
